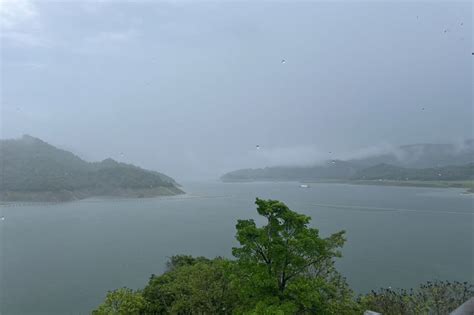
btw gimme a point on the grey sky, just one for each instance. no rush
(191, 88)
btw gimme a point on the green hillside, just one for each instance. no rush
(34, 170)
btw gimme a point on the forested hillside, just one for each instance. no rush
(34, 170)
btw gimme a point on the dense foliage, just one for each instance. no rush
(282, 267)
(31, 165)
(286, 264)
(122, 301)
(438, 297)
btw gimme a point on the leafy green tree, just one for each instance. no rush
(123, 301)
(283, 267)
(287, 263)
(192, 286)
(177, 261)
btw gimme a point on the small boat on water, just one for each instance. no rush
(304, 186)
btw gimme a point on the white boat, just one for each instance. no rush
(304, 186)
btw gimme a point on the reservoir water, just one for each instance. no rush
(62, 258)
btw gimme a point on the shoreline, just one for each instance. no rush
(467, 185)
(62, 196)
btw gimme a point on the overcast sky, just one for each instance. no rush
(190, 88)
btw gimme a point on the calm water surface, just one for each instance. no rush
(62, 259)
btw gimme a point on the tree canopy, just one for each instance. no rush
(282, 267)
(286, 261)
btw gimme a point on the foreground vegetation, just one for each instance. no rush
(283, 267)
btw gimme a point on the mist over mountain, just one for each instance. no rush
(423, 155)
(406, 157)
(329, 170)
(34, 170)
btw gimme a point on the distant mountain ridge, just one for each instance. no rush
(424, 155)
(335, 169)
(391, 172)
(404, 159)
(34, 170)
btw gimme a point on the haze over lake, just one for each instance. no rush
(118, 117)
(62, 259)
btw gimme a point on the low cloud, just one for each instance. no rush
(108, 38)
(25, 64)
(288, 156)
(370, 151)
(311, 155)
(16, 13)
(106, 41)
(23, 38)
(20, 23)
